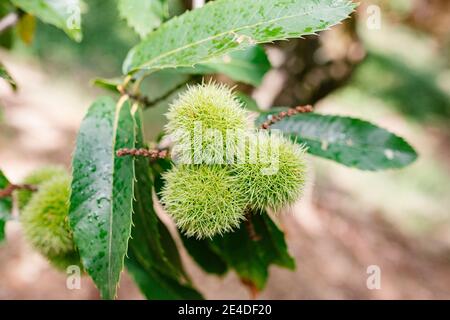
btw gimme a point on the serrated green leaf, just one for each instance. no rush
(159, 84)
(143, 15)
(204, 255)
(157, 286)
(154, 261)
(247, 66)
(146, 243)
(63, 14)
(5, 206)
(145, 239)
(171, 252)
(250, 258)
(349, 141)
(4, 74)
(102, 191)
(223, 26)
(160, 166)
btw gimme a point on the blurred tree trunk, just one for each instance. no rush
(432, 16)
(316, 66)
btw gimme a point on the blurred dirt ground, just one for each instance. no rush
(333, 234)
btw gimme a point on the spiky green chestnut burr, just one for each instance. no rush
(201, 117)
(203, 200)
(45, 222)
(35, 179)
(214, 105)
(274, 175)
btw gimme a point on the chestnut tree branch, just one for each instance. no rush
(151, 154)
(144, 100)
(283, 114)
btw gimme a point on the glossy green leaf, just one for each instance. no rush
(154, 261)
(102, 191)
(349, 141)
(4, 74)
(223, 26)
(5, 206)
(161, 83)
(204, 255)
(160, 166)
(146, 242)
(143, 15)
(157, 286)
(247, 66)
(250, 258)
(63, 14)
(171, 252)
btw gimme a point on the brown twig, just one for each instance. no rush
(144, 100)
(250, 227)
(7, 192)
(283, 114)
(151, 154)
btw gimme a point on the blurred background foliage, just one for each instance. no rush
(397, 76)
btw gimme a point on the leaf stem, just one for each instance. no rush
(283, 114)
(151, 154)
(144, 100)
(7, 192)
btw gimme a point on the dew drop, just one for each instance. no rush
(101, 202)
(389, 154)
